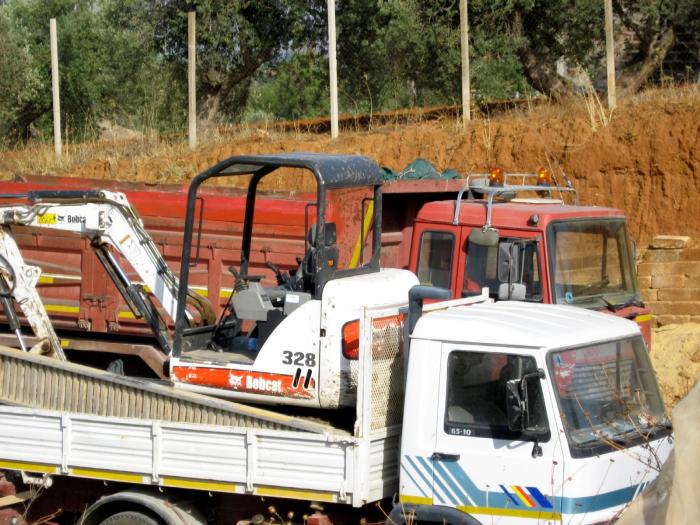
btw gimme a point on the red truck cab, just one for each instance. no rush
(540, 249)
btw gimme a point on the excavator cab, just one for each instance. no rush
(270, 335)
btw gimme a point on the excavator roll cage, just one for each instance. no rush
(330, 172)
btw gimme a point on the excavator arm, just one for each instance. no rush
(18, 282)
(107, 219)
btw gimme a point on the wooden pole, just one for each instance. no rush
(464, 43)
(610, 53)
(333, 66)
(191, 79)
(54, 87)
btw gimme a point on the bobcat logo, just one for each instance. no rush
(235, 381)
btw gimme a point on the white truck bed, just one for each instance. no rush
(332, 468)
(312, 461)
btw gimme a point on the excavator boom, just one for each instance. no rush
(106, 219)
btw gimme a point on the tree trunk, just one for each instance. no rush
(209, 106)
(541, 73)
(647, 60)
(216, 87)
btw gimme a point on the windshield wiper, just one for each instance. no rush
(624, 437)
(661, 425)
(615, 307)
(601, 436)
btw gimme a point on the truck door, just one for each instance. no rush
(480, 466)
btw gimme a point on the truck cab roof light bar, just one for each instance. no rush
(479, 182)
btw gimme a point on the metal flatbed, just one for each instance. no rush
(59, 418)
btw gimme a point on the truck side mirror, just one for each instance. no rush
(514, 406)
(509, 262)
(484, 236)
(517, 403)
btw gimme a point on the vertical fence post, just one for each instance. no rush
(333, 66)
(464, 40)
(610, 54)
(191, 79)
(54, 87)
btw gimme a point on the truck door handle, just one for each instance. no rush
(442, 456)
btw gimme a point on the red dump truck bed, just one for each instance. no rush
(79, 295)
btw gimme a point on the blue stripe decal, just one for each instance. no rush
(597, 502)
(440, 470)
(505, 491)
(428, 481)
(465, 481)
(417, 485)
(565, 505)
(539, 497)
(437, 481)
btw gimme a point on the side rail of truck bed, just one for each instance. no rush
(206, 457)
(313, 461)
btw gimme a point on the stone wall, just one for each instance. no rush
(669, 279)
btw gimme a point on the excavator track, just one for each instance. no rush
(35, 381)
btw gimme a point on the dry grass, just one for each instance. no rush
(160, 159)
(678, 94)
(122, 157)
(39, 158)
(598, 115)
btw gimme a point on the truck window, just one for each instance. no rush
(476, 394)
(482, 269)
(435, 258)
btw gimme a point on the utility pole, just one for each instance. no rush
(54, 88)
(464, 39)
(191, 79)
(333, 65)
(610, 54)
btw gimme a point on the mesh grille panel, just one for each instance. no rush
(387, 371)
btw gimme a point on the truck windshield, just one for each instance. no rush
(591, 263)
(607, 394)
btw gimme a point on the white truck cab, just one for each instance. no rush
(572, 442)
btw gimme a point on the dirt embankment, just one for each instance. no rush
(676, 359)
(643, 158)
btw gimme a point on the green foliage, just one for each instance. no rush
(20, 79)
(107, 69)
(579, 34)
(125, 60)
(235, 38)
(397, 53)
(496, 70)
(297, 88)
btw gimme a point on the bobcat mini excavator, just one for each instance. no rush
(295, 343)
